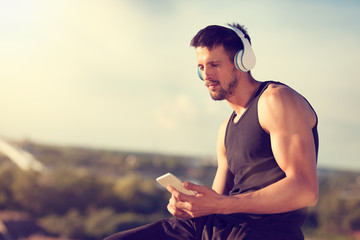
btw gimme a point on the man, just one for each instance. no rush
(266, 151)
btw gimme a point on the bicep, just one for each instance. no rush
(295, 153)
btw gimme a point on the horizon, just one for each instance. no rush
(207, 158)
(202, 158)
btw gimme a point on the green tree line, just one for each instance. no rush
(89, 194)
(77, 204)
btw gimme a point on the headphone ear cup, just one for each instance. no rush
(199, 73)
(238, 61)
(248, 58)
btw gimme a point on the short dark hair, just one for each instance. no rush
(215, 35)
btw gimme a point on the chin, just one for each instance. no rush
(217, 97)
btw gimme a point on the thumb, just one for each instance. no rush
(193, 187)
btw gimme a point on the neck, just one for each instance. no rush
(243, 94)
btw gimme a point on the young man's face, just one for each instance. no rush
(217, 71)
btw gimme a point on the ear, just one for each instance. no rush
(199, 73)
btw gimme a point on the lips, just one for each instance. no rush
(211, 84)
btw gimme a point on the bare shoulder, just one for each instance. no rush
(224, 124)
(278, 92)
(222, 131)
(281, 104)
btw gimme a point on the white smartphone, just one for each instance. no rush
(170, 180)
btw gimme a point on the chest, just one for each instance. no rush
(246, 142)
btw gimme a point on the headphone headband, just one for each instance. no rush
(244, 59)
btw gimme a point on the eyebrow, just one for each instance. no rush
(211, 62)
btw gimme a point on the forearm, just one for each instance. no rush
(283, 196)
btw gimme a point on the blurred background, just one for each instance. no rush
(98, 98)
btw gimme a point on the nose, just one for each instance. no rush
(207, 73)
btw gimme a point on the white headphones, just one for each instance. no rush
(244, 60)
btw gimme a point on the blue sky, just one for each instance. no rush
(121, 74)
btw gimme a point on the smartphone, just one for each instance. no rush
(170, 180)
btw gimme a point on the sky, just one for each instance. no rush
(120, 74)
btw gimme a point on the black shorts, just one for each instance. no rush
(212, 227)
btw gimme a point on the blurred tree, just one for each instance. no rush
(6, 177)
(101, 222)
(70, 225)
(139, 195)
(26, 191)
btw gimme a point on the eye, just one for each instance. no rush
(214, 64)
(201, 68)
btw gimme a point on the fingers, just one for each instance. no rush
(194, 187)
(177, 204)
(185, 206)
(175, 210)
(178, 213)
(178, 195)
(173, 200)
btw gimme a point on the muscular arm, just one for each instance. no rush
(289, 120)
(223, 180)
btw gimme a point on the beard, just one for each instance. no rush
(222, 93)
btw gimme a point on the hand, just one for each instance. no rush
(205, 202)
(174, 210)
